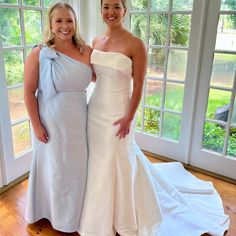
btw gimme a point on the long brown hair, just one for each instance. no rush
(48, 36)
(123, 2)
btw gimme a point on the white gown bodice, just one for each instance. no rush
(113, 85)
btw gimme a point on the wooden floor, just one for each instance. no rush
(12, 205)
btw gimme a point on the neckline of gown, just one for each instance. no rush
(119, 53)
(82, 63)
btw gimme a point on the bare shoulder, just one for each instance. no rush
(97, 40)
(137, 45)
(88, 49)
(87, 54)
(34, 55)
(35, 51)
(139, 55)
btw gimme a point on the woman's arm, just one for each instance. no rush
(31, 77)
(139, 58)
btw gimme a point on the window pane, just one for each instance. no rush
(174, 96)
(153, 93)
(16, 104)
(177, 64)
(33, 34)
(156, 62)
(48, 3)
(218, 104)
(139, 26)
(31, 2)
(139, 119)
(14, 67)
(226, 33)
(138, 4)
(180, 5)
(223, 71)
(10, 27)
(21, 137)
(180, 30)
(213, 137)
(9, 1)
(159, 5)
(158, 29)
(231, 149)
(151, 122)
(28, 51)
(233, 119)
(171, 126)
(228, 5)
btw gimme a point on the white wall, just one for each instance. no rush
(90, 19)
(2, 99)
(1, 158)
(1, 143)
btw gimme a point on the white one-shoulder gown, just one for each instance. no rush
(125, 192)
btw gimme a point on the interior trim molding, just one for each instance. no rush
(13, 183)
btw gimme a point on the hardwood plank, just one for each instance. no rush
(12, 206)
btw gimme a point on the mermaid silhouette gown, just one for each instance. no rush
(59, 168)
(125, 192)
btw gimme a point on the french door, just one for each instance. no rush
(20, 30)
(214, 136)
(170, 29)
(188, 110)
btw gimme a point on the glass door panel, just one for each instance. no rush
(214, 140)
(20, 30)
(165, 27)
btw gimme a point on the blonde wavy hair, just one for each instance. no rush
(49, 36)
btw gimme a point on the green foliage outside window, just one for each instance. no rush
(14, 67)
(10, 33)
(213, 138)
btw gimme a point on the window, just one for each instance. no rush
(188, 107)
(20, 29)
(165, 27)
(220, 119)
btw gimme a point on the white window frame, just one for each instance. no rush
(200, 157)
(180, 151)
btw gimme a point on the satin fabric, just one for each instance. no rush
(125, 193)
(59, 168)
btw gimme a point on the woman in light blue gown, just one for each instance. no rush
(59, 70)
(125, 193)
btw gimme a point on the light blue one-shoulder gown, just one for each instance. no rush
(58, 172)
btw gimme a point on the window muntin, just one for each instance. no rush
(165, 28)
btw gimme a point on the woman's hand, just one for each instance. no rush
(41, 133)
(124, 128)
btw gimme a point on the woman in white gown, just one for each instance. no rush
(125, 193)
(60, 71)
